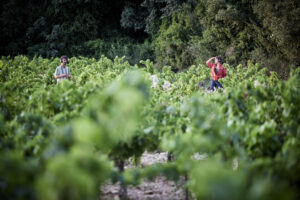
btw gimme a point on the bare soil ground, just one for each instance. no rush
(159, 189)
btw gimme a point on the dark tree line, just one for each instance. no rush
(170, 32)
(51, 27)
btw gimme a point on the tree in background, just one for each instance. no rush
(261, 31)
(169, 32)
(15, 18)
(278, 26)
(52, 28)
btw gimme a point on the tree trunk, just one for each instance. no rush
(123, 189)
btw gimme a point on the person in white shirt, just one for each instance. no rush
(62, 71)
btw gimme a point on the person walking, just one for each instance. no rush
(217, 72)
(62, 71)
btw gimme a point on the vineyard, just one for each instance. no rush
(65, 141)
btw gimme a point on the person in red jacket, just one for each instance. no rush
(217, 71)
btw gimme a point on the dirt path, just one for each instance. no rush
(159, 189)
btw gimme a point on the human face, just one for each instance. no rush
(64, 62)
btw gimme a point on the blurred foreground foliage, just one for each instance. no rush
(64, 141)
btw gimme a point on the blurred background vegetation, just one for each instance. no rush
(178, 33)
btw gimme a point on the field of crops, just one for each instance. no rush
(65, 141)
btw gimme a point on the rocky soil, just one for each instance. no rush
(158, 189)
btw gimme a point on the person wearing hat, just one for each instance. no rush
(62, 71)
(217, 72)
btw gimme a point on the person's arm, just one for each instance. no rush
(57, 74)
(60, 76)
(209, 63)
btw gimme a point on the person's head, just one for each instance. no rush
(64, 60)
(218, 59)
